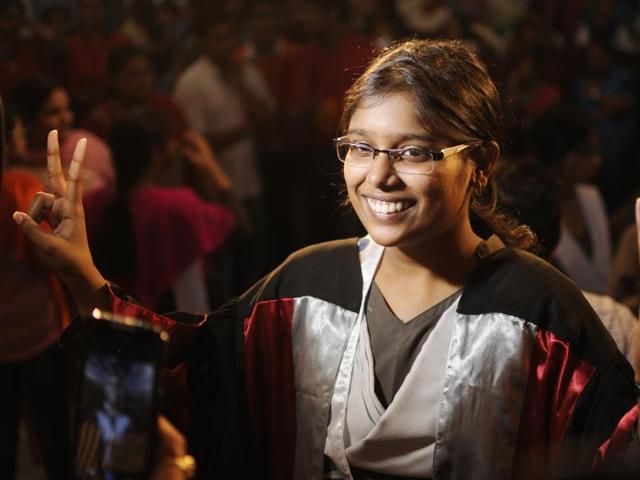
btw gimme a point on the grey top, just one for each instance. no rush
(394, 343)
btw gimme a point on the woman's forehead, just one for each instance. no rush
(394, 116)
(389, 110)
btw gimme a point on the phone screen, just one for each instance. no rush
(118, 407)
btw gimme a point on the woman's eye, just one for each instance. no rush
(361, 150)
(415, 154)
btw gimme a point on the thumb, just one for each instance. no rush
(32, 230)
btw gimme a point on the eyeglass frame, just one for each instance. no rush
(394, 154)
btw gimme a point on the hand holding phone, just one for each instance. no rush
(118, 409)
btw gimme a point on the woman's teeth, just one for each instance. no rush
(385, 208)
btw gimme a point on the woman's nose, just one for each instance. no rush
(381, 171)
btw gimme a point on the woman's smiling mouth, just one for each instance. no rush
(387, 208)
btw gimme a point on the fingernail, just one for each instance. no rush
(81, 147)
(52, 138)
(18, 218)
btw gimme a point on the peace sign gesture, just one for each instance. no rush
(66, 248)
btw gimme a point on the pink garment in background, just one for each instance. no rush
(98, 165)
(98, 171)
(173, 227)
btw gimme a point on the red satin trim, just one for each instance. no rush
(619, 439)
(556, 380)
(180, 334)
(270, 384)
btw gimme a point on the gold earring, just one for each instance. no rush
(478, 189)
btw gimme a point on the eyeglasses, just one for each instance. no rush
(409, 160)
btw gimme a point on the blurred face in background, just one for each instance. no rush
(11, 21)
(263, 26)
(17, 142)
(220, 42)
(305, 20)
(583, 163)
(94, 15)
(56, 113)
(133, 83)
(56, 19)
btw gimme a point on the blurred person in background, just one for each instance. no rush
(428, 18)
(151, 238)
(45, 105)
(337, 55)
(226, 99)
(17, 50)
(378, 20)
(528, 192)
(89, 49)
(34, 309)
(566, 142)
(52, 52)
(131, 84)
(607, 90)
(624, 281)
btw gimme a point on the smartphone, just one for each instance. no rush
(119, 399)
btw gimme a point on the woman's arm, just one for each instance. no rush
(66, 248)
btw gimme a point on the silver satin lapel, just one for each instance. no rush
(320, 332)
(370, 255)
(482, 398)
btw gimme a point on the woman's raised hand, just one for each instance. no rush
(65, 248)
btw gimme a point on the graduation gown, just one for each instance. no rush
(534, 386)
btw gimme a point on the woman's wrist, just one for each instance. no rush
(89, 289)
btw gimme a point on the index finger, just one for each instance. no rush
(57, 183)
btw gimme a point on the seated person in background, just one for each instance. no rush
(624, 281)
(529, 193)
(44, 105)
(151, 238)
(34, 371)
(565, 141)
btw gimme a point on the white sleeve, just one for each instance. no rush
(190, 289)
(187, 96)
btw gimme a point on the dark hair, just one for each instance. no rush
(48, 12)
(30, 96)
(2, 142)
(558, 132)
(135, 137)
(120, 56)
(7, 4)
(11, 118)
(528, 192)
(455, 99)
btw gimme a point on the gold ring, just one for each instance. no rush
(185, 463)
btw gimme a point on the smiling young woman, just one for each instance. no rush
(431, 348)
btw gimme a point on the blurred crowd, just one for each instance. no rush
(210, 128)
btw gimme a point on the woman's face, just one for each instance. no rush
(425, 206)
(55, 114)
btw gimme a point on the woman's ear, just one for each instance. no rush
(486, 159)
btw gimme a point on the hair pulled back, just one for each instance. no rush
(456, 101)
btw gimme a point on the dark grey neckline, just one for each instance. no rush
(395, 344)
